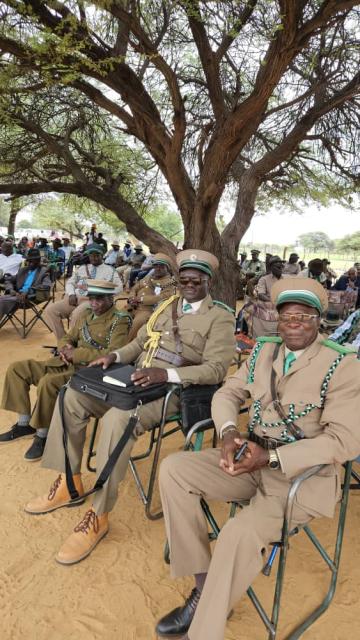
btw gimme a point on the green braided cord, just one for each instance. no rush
(269, 339)
(252, 362)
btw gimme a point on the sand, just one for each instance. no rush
(124, 586)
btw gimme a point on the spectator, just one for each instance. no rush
(9, 262)
(125, 254)
(292, 268)
(330, 274)
(25, 284)
(135, 261)
(56, 257)
(302, 265)
(69, 250)
(76, 291)
(100, 240)
(349, 331)
(111, 257)
(23, 246)
(266, 283)
(144, 270)
(242, 259)
(254, 267)
(315, 271)
(349, 282)
(268, 257)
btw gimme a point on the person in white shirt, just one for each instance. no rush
(9, 262)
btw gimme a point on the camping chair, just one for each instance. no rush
(160, 431)
(282, 545)
(26, 314)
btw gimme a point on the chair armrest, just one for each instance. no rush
(202, 425)
(294, 487)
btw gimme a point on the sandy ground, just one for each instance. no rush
(124, 586)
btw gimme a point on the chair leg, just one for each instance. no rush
(91, 452)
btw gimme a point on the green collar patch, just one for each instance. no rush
(224, 306)
(338, 347)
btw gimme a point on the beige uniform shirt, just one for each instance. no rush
(207, 338)
(332, 432)
(265, 285)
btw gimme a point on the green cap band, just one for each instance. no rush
(302, 296)
(196, 264)
(99, 291)
(160, 262)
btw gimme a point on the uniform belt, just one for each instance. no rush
(172, 358)
(265, 443)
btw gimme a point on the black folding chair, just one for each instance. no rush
(282, 546)
(24, 315)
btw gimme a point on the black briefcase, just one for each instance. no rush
(89, 380)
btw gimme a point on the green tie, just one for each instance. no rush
(290, 358)
(187, 307)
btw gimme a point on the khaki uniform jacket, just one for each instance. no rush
(144, 290)
(332, 432)
(265, 284)
(99, 328)
(207, 338)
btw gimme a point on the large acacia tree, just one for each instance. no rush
(258, 93)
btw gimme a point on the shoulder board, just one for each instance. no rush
(338, 347)
(224, 306)
(122, 314)
(269, 339)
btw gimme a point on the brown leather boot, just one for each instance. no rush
(57, 497)
(86, 535)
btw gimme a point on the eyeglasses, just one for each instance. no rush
(303, 318)
(195, 281)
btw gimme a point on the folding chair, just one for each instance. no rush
(157, 434)
(26, 314)
(282, 545)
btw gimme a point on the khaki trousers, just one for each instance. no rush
(55, 312)
(78, 409)
(238, 555)
(124, 273)
(48, 380)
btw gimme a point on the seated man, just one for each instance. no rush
(292, 268)
(315, 271)
(9, 261)
(203, 331)
(134, 262)
(111, 257)
(26, 284)
(140, 272)
(306, 403)
(76, 290)
(150, 291)
(259, 313)
(101, 330)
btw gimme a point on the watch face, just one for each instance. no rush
(274, 464)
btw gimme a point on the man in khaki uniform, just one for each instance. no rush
(150, 291)
(101, 330)
(195, 347)
(316, 389)
(76, 290)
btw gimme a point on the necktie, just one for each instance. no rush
(187, 307)
(93, 272)
(290, 358)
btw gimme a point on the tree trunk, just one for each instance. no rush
(14, 210)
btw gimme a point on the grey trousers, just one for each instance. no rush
(78, 409)
(185, 477)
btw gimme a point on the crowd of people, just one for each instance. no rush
(174, 332)
(259, 315)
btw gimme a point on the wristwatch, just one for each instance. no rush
(227, 429)
(274, 462)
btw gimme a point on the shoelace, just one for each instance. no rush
(54, 488)
(193, 599)
(89, 520)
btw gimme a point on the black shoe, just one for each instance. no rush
(36, 450)
(17, 431)
(178, 621)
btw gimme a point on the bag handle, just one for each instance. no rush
(110, 464)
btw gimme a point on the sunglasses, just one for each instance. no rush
(195, 281)
(303, 318)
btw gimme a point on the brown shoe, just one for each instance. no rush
(86, 535)
(57, 497)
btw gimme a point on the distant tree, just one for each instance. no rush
(349, 243)
(315, 241)
(25, 223)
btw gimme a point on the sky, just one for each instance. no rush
(284, 228)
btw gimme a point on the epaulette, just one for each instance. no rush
(269, 339)
(122, 314)
(338, 347)
(224, 306)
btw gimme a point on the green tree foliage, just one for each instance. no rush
(262, 95)
(349, 243)
(4, 213)
(316, 240)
